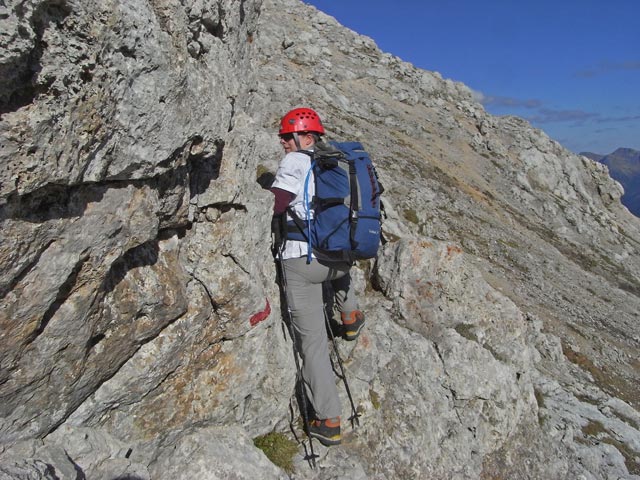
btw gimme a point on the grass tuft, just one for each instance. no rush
(279, 449)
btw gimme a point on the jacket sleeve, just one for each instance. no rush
(291, 172)
(282, 200)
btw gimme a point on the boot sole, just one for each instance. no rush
(327, 441)
(351, 335)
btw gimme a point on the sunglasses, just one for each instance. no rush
(287, 137)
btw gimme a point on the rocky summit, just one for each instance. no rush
(141, 334)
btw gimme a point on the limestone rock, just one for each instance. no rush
(140, 322)
(214, 453)
(27, 470)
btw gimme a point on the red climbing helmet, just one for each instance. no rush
(301, 120)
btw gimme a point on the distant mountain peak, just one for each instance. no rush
(621, 151)
(626, 151)
(624, 166)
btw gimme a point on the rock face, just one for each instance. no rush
(140, 324)
(624, 166)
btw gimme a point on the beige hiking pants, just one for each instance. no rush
(304, 295)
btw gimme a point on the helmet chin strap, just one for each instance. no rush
(297, 140)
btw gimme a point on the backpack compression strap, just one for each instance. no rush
(355, 202)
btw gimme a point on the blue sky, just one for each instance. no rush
(570, 67)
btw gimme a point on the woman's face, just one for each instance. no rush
(288, 141)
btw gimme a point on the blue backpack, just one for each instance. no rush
(346, 208)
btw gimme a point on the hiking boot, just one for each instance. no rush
(352, 324)
(326, 431)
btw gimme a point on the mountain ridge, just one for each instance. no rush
(502, 332)
(624, 166)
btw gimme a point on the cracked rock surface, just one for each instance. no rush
(140, 323)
